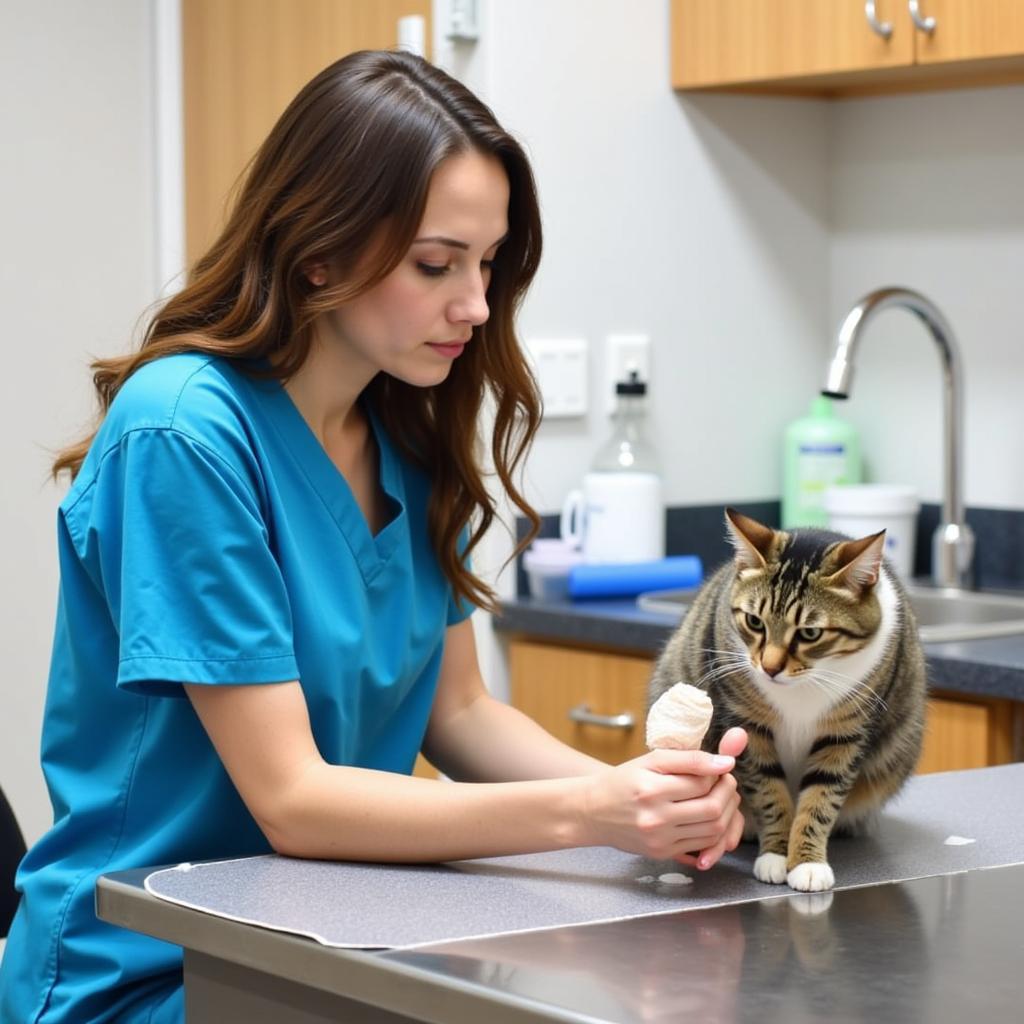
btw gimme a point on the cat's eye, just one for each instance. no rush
(809, 634)
(756, 624)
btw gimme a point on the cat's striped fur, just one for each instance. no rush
(807, 641)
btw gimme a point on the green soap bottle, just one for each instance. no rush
(820, 450)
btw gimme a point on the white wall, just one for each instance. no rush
(75, 274)
(737, 231)
(700, 221)
(928, 192)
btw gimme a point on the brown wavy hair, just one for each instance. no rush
(344, 174)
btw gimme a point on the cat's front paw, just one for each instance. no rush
(810, 877)
(771, 868)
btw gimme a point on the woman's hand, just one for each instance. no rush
(668, 804)
(732, 744)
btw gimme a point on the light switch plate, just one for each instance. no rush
(560, 365)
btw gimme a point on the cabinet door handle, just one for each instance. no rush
(582, 715)
(924, 24)
(882, 28)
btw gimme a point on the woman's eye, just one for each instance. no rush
(755, 623)
(809, 634)
(432, 269)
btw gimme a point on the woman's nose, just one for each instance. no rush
(470, 307)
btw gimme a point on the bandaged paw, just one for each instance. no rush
(679, 718)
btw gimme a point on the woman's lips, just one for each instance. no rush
(450, 349)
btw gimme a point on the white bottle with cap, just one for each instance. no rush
(618, 515)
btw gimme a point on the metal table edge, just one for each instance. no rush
(361, 975)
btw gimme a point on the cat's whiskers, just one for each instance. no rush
(724, 663)
(724, 652)
(721, 671)
(839, 693)
(840, 687)
(855, 689)
(858, 686)
(829, 686)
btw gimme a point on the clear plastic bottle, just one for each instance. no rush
(620, 503)
(628, 450)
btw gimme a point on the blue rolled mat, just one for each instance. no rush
(627, 579)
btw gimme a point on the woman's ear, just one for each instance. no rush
(316, 273)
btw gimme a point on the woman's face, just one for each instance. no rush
(418, 319)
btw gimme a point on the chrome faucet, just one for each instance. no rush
(953, 541)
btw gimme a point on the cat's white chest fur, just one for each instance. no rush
(803, 702)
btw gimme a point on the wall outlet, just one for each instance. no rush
(623, 353)
(560, 365)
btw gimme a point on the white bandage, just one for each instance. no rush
(679, 718)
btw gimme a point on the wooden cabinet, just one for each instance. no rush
(967, 30)
(423, 769)
(560, 687)
(554, 684)
(722, 42)
(965, 733)
(243, 61)
(829, 48)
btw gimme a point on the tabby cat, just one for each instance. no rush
(808, 642)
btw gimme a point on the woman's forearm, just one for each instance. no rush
(355, 814)
(490, 741)
(663, 804)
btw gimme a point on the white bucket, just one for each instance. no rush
(862, 509)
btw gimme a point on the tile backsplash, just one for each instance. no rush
(698, 530)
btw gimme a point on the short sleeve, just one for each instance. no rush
(173, 534)
(459, 609)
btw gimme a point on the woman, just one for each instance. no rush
(264, 553)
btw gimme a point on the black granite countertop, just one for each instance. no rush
(983, 668)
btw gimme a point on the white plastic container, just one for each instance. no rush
(547, 563)
(861, 509)
(616, 517)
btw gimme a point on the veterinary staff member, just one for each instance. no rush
(264, 552)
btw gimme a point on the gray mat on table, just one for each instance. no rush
(375, 906)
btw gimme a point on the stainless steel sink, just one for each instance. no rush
(945, 614)
(942, 614)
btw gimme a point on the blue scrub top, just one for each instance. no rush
(207, 539)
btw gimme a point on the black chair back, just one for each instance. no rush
(12, 849)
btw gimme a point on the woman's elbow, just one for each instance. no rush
(284, 826)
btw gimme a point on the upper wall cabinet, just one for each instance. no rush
(845, 47)
(243, 61)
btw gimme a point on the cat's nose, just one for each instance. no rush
(773, 660)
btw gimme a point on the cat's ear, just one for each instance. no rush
(751, 539)
(859, 564)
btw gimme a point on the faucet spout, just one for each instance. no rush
(953, 541)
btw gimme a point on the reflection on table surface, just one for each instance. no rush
(947, 948)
